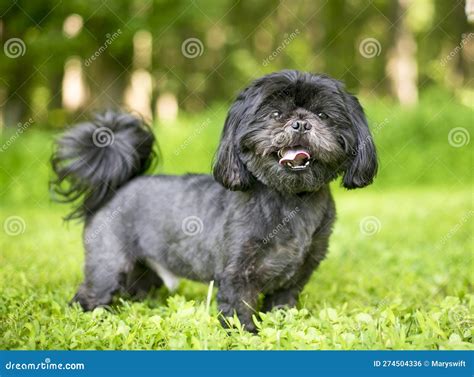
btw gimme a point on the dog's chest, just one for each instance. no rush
(281, 258)
(280, 265)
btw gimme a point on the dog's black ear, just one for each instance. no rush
(229, 170)
(363, 167)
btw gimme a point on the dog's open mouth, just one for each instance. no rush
(295, 158)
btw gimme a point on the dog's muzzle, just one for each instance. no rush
(295, 158)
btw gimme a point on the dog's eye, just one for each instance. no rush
(275, 115)
(322, 115)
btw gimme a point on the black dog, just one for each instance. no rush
(262, 228)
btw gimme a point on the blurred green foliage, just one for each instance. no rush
(240, 40)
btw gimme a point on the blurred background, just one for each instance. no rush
(163, 58)
(181, 63)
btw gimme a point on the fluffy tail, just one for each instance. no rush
(92, 160)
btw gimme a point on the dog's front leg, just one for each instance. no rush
(288, 296)
(285, 298)
(238, 296)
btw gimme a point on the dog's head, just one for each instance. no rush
(295, 132)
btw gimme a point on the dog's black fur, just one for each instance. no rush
(262, 228)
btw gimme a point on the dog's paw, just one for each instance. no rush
(84, 300)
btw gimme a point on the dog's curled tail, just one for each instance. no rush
(93, 159)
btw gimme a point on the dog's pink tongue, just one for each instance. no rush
(295, 155)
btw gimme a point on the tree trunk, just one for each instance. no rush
(402, 65)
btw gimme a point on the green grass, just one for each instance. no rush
(406, 286)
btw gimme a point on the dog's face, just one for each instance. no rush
(295, 132)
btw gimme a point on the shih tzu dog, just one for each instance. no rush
(259, 226)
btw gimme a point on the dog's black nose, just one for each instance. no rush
(301, 125)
